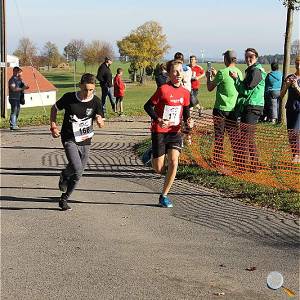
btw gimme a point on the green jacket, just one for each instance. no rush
(251, 90)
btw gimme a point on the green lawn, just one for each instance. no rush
(135, 97)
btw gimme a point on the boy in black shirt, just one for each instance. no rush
(81, 108)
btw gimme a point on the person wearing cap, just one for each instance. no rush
(104, 76)
(250, 106)
(223, 112)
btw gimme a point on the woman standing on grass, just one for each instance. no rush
(292, 86)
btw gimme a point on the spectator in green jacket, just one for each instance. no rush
(250, 105)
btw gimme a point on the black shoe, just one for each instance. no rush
(63, 204)
(62, 183)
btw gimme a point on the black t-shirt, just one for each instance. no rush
(78, 119)
(293, 101)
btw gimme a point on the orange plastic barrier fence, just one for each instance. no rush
(262, 153)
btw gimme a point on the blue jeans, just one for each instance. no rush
(272, 103)
(14, 113)
(106, 91)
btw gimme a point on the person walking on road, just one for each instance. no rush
(223, 112)
(104, 76)
(81, 108)
(167, 107)
(16, 87)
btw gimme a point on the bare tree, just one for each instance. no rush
(73, 51)
(291, 6)
(51, 53)
(26, 52)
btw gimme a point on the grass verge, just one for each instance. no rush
(249, 193)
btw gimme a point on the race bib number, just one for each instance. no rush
(172, 113)
(83, 129)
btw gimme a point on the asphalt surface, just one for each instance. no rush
(117, 243)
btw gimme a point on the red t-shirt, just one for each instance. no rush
(119, 86)
(168, 104)
(196, 71)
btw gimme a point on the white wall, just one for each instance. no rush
(38, 99)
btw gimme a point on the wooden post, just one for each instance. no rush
(3, 61)
(287, 58)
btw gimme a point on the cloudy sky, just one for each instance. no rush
(191, 27)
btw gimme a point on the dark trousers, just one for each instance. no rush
(293, 126)
(249, 118)
(224, 121)
(77, 159)
(107, 91)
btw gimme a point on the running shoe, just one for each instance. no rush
(165, 201)
(63, 204)
(147, 157)
(62, 183)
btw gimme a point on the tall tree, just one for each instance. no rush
(144, 46)
(96, 51)
(26, 52)
(51, 53)
(291, 6)
(73, 50)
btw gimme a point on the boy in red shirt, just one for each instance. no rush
(197, 73)
(167, 107)
(119, 91)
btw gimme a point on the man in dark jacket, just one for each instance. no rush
(104, 76)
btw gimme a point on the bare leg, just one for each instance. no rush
(173, 156)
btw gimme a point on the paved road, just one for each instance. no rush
(116, 243)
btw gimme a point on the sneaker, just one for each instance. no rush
(15, 128)
(62, 183)
(147, 156)
(64, 205)
(165, 201)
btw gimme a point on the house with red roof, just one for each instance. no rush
(41, 92)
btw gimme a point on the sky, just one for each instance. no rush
(193, 27)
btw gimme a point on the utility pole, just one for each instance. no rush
(3, 62)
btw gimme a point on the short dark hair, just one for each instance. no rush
(193, 56)
(178, 56)
(17, 69)
(252, 50)
(88, 78)
(119, 70)
(274, 66)
(171, 63)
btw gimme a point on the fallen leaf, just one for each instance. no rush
(219, 294)
(223, 266)
(289, 292)
(251, 269)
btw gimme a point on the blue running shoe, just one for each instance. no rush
(165, 201)
(147, 156)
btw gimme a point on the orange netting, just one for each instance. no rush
(262, 153)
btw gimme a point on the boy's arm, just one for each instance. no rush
(53, 127)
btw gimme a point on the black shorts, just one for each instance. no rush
(162, 142)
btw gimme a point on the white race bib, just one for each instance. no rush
(172, 113)
(82, 129)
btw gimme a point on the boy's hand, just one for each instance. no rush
(99, 121)
(55, 132)
(163, 123)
